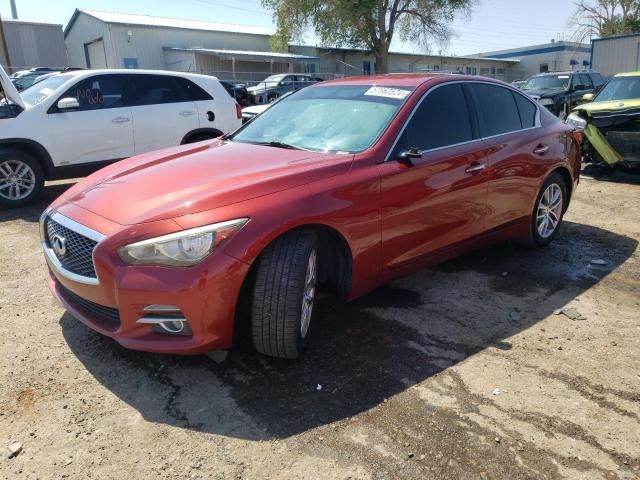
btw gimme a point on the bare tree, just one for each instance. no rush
(604, 17)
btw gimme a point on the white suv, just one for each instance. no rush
(75, 122)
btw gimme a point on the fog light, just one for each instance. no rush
(170, 321)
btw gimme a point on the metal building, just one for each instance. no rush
(548, 57)
(32, 44)
(98, 39)
(616, 54)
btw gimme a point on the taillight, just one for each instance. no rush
(238, 110)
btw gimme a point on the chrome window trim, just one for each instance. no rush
(50, 256)
(538, 123)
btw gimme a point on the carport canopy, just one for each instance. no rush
(249, 55)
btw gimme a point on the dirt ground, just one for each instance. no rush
(461, 371)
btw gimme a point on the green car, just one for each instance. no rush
(610, 122)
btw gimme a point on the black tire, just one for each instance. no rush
(536, 238)
(9, 158)
(279, 292)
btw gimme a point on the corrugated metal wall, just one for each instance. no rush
(34, 45)
(86, 29)
(617, 55)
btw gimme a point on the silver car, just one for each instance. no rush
(274, 86)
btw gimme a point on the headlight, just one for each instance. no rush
(181, 249)
(576, 122)
(546, 101)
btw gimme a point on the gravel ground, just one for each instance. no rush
(467, 370)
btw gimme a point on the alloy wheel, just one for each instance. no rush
(549, 211)
(309, 293)
(17, 180)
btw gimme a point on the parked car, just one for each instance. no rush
(344, 185)
(76, 122)
(519, 84)
(238, 92)
(34, 71)
(275, 86)
(610, 122)
(249, 113)
(559, 92)
(25, 81)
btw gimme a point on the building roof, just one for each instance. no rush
(23, 22)
(151, 21)
(246, 54)
(537, 49)
(614, 37)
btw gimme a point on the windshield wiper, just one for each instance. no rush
(280, 145)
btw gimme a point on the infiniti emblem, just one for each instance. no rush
(59, 245)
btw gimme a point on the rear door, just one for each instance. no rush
(518, 150)
(100, 129)
(162, 111)
(440, 197)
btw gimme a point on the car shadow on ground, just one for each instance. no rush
(606, 174)
(31, 213)
(363, 352)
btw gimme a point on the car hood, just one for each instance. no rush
(10, 90)
(543, 92)
(613, 106)
(191, 179)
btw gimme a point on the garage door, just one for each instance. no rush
(96, 55)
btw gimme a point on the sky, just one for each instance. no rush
(494, 24)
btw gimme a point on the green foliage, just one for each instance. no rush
(368, 24)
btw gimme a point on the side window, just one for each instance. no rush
(497, 109)
(193, 91)
(442, 119)
(586, 81)
(527, 110)
(155, 90)
(99, 92)
(597, 79)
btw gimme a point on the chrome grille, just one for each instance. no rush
(78, 257)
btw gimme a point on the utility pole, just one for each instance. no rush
(4, 44)
(14, 10)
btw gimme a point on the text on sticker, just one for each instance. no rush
(387, 92)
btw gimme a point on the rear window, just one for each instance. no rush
(497, 109)
(527, 111)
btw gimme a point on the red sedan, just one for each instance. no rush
(344, 185)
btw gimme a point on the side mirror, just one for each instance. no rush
(587, 97)
(68, 103)
(285, 83)
(408, 156)
(579, 87)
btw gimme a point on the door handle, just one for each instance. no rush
(120, 120)
(541, 149)
(186, 113)
(476, 167)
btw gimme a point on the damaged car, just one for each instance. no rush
(610, 122)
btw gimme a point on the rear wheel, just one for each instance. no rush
(549, 210)
(284, 295)
(21, 178)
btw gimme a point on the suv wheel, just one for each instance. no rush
(284, 295)
(21, 178)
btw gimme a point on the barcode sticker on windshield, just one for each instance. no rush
(387, 92)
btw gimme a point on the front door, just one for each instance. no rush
(100, 129)
(439, 197)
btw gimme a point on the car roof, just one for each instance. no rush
(131, 71)
(400, 79)
(628, 74)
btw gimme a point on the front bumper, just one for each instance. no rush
(206, 295)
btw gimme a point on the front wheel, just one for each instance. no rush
(284, 295)
(549, 210)
(21, 178)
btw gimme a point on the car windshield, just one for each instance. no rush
(620, 88)
(39, 92)
(340, 118)
(547, 82)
